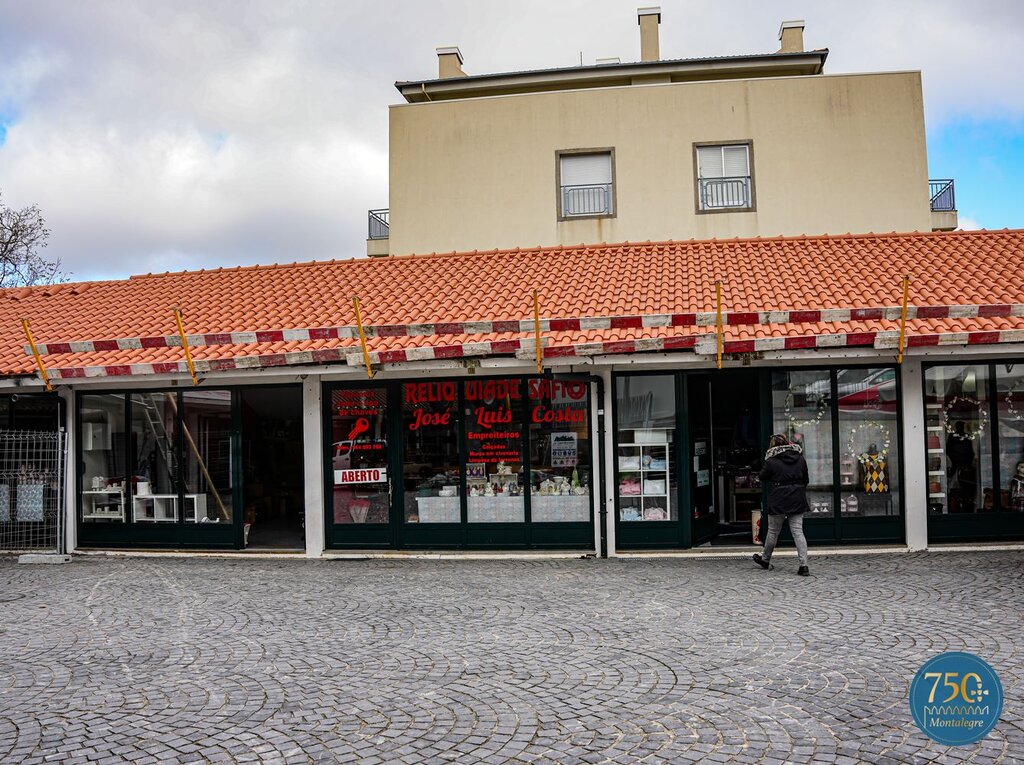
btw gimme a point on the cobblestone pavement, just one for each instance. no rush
(567, 661)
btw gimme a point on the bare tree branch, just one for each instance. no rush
(23, 236)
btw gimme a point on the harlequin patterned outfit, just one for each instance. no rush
(873, 476)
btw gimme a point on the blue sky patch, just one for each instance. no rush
(986, 159)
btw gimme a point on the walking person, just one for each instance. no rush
(785, 474)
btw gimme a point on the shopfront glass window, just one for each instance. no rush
(206, 449)
(560, 456)
(802, 411)
(154, 445)
(1010, 392)
(101, 435)
(959, 440)
(494, 457)
(869, 459)
(645, 413)
(359, 456)
(430, 459)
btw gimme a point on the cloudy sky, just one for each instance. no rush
(187, 134)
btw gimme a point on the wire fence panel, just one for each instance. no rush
(32, 465)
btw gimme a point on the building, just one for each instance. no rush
(596, 398)
(656, 150)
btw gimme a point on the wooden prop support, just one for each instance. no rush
(903, 319)
(536, 331)
(35, 352)
(362, 337)
(184, 345)
(720, 333)
(199, 458)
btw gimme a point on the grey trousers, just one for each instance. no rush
(796, 528)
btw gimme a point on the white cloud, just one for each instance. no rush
(967, 224)
(192, 134)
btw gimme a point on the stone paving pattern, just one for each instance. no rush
(150, 660)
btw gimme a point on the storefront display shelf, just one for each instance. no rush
(163, 508)
(103, 504)
(635, 467)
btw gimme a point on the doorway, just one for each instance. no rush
(272, 468)
(725, 439)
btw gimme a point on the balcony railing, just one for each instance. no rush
(725, 193)
(941, 195)
(593, 199)
(379, 227)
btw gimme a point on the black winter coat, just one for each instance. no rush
(785, 474)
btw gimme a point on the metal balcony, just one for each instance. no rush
(379, 227)
(586, 200)
(941, 195)
(730, 193)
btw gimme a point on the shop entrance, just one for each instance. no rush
(726, 456)
(690, 446)
(272, 468)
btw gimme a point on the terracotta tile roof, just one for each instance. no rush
(585, 280)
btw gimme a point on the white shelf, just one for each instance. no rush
(93, 499)
(647, 503)
(163, 508)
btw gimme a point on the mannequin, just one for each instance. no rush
(1017, 488)
(873, 478)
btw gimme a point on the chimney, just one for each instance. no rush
(791, 35)
(649, 19)
(449, 62)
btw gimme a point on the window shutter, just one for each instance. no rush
(586, 169)
(709, 162)
(735, 161)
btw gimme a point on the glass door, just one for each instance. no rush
(431, 508)
(360, 476)
(700, 465)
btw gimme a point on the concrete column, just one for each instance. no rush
(70, 471)
(313, 465)
(915, 458)
(608, 455)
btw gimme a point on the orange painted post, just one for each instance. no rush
(184, 344)
(536, 330)
(35, 352)
(718, 323)
(903, 319)
(362, 337)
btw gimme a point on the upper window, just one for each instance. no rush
(724, 177)
(586, 185)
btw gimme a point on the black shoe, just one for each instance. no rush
(803, 571)
(762, 562)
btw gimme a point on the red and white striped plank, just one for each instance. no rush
(582, 324)
(704, 344)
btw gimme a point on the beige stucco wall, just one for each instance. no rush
(832, 154)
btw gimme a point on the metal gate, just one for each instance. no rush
(32, 465)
